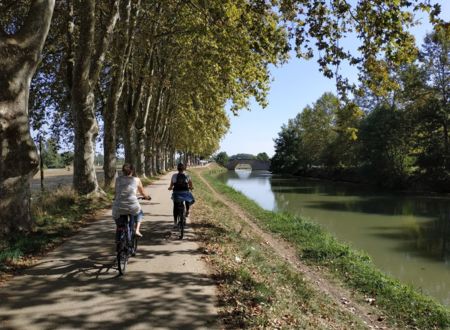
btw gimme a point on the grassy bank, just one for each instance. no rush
(404, 305)
(57, 215)
(257, 288)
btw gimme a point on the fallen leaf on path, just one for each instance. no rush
(345, 301)
(371, 301)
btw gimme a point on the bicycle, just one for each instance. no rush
(126, 241)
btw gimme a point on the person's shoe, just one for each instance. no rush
(138, 234)
(187, 214)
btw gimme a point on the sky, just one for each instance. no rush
(295, 85)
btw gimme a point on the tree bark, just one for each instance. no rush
(88, 64)
(41, 163)
(121, 59)
(128, 132)
(148, 155)
(19, 57)
(134, 100)
(154, 163)
(140, 126)
(158, 160)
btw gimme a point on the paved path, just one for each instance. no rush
(77, 286)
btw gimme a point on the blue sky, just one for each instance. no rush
(295, 85)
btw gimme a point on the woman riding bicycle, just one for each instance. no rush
(181, 184)
(126, 201)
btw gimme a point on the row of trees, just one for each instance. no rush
(397, 140)
(222, 157)
(154, 76)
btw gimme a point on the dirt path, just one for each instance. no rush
(77, 286)
(341, 296)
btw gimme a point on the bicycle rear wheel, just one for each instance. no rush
(121, 249)
(122, 261)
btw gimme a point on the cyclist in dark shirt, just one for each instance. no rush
(181, 184)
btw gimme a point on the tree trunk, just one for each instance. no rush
(140, 152)
(109, 139)
(148, 156)
(41, 163)
(122, 58)
(88, 64)
(154, 161)
(129, 144)
(131, 115)
(19, 56)
(86, 131)
(172, 159)
(157, 163)
(164, 164)
(147, 163)
(141, 127)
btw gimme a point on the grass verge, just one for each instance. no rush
(57, 215)
(405, 306)
(257, 289)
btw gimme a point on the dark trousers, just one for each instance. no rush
(178, 205)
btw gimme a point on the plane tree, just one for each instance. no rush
(21, 41)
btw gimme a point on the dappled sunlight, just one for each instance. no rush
(82, 274)
(78, 284)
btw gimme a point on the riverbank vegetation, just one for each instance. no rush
(404, 306)
(398, 140)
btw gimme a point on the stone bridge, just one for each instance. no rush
(253, 164)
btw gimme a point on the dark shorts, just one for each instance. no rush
(136, 218)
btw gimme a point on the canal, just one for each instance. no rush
(407, 236)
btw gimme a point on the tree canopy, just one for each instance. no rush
(399, 140)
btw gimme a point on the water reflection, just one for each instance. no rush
(243, 174)
(408, 236)
(253, 183)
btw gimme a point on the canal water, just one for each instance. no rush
(407, 236)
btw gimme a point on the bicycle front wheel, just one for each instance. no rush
(135, 245)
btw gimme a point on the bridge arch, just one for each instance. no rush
(251, 164)
(243, 166)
